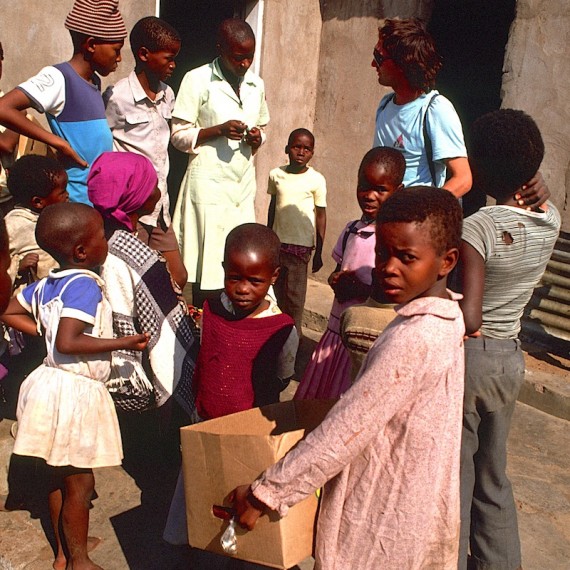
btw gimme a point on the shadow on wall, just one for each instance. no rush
(345, 10)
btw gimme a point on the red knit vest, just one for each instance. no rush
(237, 362)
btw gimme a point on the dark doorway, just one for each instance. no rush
(197, 22)
(471, 35)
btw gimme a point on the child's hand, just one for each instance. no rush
(345, 286)
(333, 279)
(66, 152)
(246, 512)
(233, 129)
(534, 193)
(30, 260)
(253, 138)
(136, 341)
(317, 262)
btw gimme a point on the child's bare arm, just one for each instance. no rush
(271, 212)
(18, 318)
(321, 226)
(472, 275)
(534, 193)
(11, 107)
(71, 339)
(8, 141)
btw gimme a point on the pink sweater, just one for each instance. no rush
(389, 450)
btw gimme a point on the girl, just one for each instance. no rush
(65, 414)
(388, 452)
(380, 174)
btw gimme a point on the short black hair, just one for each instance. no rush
(236, 29)
(413, 49)
(391, 159)
(62, 226)
(154, 34)
(300, 131)
(505, 152)
(33, 175)
(254, 238)
(421, 204)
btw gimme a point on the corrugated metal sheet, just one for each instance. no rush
(546, 319)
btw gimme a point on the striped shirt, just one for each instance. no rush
(516, 245)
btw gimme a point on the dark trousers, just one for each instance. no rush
(291, 286)
(494, 373)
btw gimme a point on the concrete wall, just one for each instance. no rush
(33, 35)
(537, 80)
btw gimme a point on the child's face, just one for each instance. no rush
(247, 278)
(375, 186)
(95, 246)
(106, 56)
(236, 56)
(407, 264)
(300, 151)
(59, 192)
(160, 63)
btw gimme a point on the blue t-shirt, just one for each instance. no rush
(75, 112)
(80, 298)
(401, 127)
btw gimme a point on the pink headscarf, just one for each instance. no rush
(119, 183)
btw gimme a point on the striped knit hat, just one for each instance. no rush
(97, 18)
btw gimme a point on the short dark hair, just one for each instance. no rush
(391, 159)
(300, 131)
(154, 34)
(254, 238)
(409, 44)
(505, 152)
(33, 175)
(421, 204)
(62, 226)
(236, 29)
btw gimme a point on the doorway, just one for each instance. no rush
(471, 36)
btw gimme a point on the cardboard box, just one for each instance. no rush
(218, 455)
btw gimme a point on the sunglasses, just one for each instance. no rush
(379, 58)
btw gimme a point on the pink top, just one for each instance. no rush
(389, 450)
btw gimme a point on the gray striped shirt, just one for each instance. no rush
(516, 245)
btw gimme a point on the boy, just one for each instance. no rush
(139, 108)
(8, 144)
(389, 448)
(504, 252)
(35, 182)
(248, 346)
(69, 93)
(218, 119)
(297, 208)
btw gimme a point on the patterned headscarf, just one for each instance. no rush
(119, 183)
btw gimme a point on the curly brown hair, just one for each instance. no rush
(413, 49)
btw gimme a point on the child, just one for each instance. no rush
(380, 174)
(504, 252)
(35, 182)
(248, 345)
(139, 108)
(8, 146)
(69, 93)
(298, 208)
(65, 414)
(388, 451)
(247, 355)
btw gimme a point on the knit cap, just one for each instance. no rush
(97, 18)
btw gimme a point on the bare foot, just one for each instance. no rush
(60, 562)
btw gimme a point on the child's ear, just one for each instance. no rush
(79, 252)
(38, 202)
(287, 149)
(89, 44)
(143, 54)
(448, 261)
(401, 187)
(275, 275)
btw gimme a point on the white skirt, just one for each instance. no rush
(67, 419)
